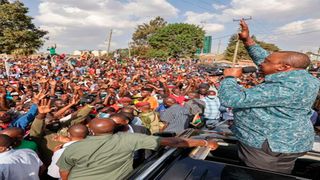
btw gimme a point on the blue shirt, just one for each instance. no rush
(161, 108)
(26, 119)
(277, 110)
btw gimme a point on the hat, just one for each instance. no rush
(141, 104)
(125, 99)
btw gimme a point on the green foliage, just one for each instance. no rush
(4, 1)
(242, 52)
(18, 35)
(178, 39)
(157, 53)
(140, 51)
(145, 30)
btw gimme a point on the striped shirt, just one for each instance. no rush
(177, 118)
(212, 108)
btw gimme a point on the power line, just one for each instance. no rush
(285, 33)
(294, 34)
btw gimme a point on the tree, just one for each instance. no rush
(178, 39)
(144, 31)
(242, 52)
(18, 35)
(157, 53)
(4, 1)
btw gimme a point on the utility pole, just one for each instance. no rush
(129, 50)
(218, 49)
(109, 41)
(318, 54)
(202, 26)
(238, 41)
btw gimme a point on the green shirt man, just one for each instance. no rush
(52, 50)
(108, 156)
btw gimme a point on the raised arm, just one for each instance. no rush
(3, 102)
(27, 118)
(38, 125)
(75, 100)
(182, 142)
(257, 53)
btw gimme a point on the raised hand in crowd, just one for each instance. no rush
(38, 97)
(44, 106)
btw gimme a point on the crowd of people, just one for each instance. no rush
(47, 103)
(92, 118)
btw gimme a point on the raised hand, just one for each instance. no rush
(244, 34)
(77, 88)
(43, 81)
(213, 79)
(65, 81)
(75, 100)
(163, 80)
(53, 82)
(36, 98)
(44, 106)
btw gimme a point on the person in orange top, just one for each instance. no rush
(146, 94)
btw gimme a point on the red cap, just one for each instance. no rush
(140, 104)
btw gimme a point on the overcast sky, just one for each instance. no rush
(85, 24)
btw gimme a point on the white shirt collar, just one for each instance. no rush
(68, 143)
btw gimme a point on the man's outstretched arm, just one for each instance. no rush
(184, 142)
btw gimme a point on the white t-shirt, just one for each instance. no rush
(20, 164)
(53, 169)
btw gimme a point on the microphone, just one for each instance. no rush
(248, 69)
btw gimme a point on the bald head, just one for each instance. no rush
(5, 142)
(294, 59)
(78, 131)
(13, 132)
(169, 101)
(102, 126)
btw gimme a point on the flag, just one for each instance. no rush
(196, 120)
